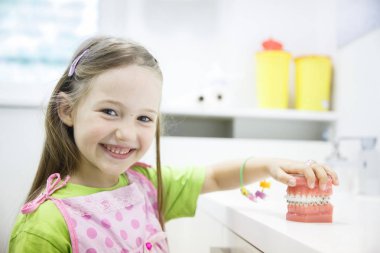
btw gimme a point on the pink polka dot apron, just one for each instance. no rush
(123, 220)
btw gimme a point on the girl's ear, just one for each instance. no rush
(65, 111)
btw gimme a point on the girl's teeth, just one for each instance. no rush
(117, 150)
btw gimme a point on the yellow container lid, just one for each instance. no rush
(273, 53)
(315, 56)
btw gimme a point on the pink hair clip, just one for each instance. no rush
(75, 63)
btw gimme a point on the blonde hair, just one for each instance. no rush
(60, 153)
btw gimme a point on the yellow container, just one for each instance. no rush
(313, 83)
(272, 78)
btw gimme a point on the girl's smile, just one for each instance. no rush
(118, 152)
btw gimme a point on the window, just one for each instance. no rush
(37, 40)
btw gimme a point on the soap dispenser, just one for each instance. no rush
(369, 169)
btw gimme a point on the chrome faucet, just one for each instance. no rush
(367, 143)
(365, 175)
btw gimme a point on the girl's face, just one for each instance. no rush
(115, 123)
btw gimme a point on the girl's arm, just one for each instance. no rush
(226, 175)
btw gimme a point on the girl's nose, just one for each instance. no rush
(126, 131)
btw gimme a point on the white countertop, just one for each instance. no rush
(355, 227)
(356, 219)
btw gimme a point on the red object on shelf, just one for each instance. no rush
(271, 44)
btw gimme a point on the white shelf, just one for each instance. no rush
(247, 123)
(250, 113)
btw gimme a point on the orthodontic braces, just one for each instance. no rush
(307, 200)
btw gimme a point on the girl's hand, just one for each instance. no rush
(280, 169)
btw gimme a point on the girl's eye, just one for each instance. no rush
(109, 112)
(144, 119)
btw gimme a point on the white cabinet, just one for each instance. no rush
(236, 244)
(204, 234)
(239, 245)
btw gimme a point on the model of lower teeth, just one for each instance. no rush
(309, 205)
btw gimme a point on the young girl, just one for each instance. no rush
(90, 192)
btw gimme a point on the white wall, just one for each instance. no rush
(358, 86)
(21, 139)
(190, 37)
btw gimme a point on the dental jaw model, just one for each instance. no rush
(309, 205)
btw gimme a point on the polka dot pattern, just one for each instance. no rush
(139, 241)
(150, 229)
(118, 216)
(106, 223)
(86, 216)
(129, 207)
(135, 223)
(123, 226)
(123, 234)
(109, 242)
(91, 233)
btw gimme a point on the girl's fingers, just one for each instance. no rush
(310, 169)
(332, 173)
(281, 176)
(321, 175)
(310, 176)
(293, 167)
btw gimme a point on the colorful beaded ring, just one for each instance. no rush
(258, 194)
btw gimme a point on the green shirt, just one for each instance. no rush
(45, 229)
